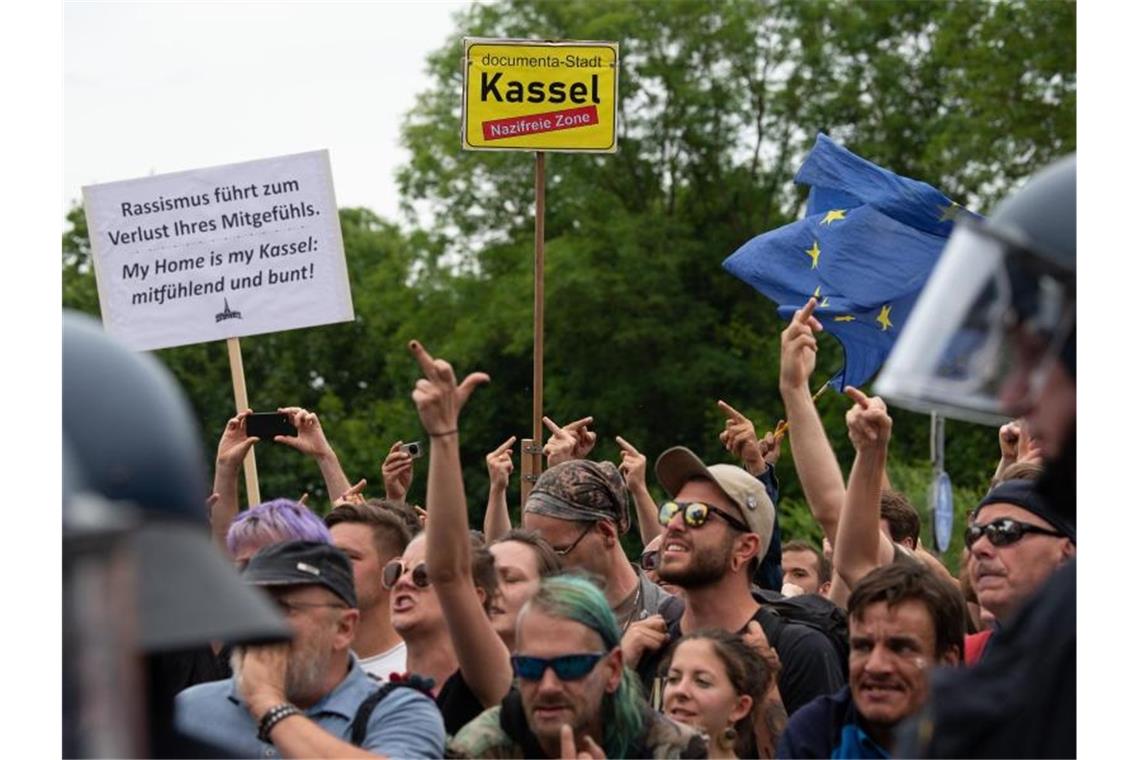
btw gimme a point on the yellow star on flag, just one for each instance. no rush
(814, 253)
(822, 302)
(950, 213)
(845, 318)
(834, 215)
(884, 317)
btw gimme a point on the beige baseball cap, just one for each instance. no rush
(679, 465)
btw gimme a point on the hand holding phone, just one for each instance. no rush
(265, 425)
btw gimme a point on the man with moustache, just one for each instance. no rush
(300, 699)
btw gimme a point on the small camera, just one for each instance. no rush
(413, 449)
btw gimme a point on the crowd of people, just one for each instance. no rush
(409, 634)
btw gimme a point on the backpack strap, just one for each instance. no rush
(364, 712)
(772, 624)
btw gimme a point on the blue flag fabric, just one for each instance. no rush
(864, 249)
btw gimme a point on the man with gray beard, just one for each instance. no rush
(301, 699)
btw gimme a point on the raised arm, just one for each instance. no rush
(632, 468)
(861, 545)
(232, 449)
(497, 518)
(310, 440)
(483, 657)
(816, 465)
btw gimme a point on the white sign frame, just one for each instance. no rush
(220, 252)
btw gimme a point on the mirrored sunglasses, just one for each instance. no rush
(1004, 532)
(696, 514)
(568, 667)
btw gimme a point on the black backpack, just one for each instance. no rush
(812, 610)
(364, 712)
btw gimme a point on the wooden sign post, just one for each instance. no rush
(241, 402)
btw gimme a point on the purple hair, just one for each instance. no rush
(274, 522)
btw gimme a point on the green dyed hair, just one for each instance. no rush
(577, 599)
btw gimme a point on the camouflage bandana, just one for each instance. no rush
(581, 491)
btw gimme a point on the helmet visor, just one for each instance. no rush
(991, 312)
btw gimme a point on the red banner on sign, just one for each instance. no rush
(500, 129)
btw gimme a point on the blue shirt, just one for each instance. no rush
(405, 723)
(828, 726)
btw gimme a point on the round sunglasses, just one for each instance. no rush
(395, 570)
(568, 667)
(696, 514)
(1005, 531)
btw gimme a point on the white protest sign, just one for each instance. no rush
(219, 253)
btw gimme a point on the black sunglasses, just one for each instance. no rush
(568, 667)
(696, 514)
(395, 570)
(1005, 531)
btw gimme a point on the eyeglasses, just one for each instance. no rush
(696, 514)
(568, 667)
(289, 607)
(650, 560)
(578, 540)
(1005, 531)
(395, 570)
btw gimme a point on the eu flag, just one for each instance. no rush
(864, 249)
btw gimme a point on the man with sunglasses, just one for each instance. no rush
(1016, 543)
(574, 694)
(717, 526)
(300, 699)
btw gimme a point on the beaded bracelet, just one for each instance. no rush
(272, 717)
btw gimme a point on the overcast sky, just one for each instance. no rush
(162, 87)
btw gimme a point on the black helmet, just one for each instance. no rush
(133, 462)
(1002, 297)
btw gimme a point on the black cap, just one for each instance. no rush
(1024, 494)
(303, 563)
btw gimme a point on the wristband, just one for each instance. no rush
(443, 435)
(272, 717)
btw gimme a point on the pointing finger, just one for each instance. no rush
(504, 446)
(805, 314)
(425, 360)
(857, 396)
(551, 425)
(625, 445)
(472, 381)
(729, 411)
(585, 421)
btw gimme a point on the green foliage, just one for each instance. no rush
(719, 102)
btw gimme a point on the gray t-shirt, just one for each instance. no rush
(405, 724)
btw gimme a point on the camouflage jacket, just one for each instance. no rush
(502, 732)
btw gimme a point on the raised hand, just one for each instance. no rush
(643, 636)
(798, 347)
(397, 472)
(868, 424)
(310, 438)
(235, 443)
(739, 437)
(437, 396)
(589, 751)
(572, 441)
(500, 466)
(354, 495)
(632, 465)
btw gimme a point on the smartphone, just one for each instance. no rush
(414, 449)
(265, 425)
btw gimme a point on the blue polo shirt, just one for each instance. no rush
(828, 727)
(405, 723)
